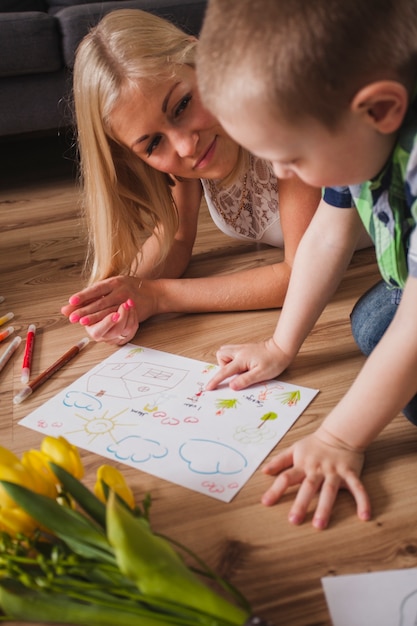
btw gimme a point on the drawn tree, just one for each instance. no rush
(268, 417)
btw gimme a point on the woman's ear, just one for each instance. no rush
(382, 104)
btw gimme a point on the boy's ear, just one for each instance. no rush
(383, 105)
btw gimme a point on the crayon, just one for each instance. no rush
(6, 318)
(55, 367)
(6, 333)
(27, 357)
(11, 348)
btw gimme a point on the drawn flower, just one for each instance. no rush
(224, 404)
(99, 563)
(290, 398)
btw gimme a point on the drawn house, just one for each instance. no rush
(134, 380)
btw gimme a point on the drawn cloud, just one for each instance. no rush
(409, 610)
(82, 400)
(137, 449)
(204, 456)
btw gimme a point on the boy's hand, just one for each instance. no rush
(319, 463)
(253, 362)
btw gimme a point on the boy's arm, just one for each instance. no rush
(332, 457)
(320, 262)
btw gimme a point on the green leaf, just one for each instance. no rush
(87, 500)
(36, 606)
(79, 533)
(159, 571)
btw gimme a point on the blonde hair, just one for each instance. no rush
(303, 57)
(124, 198)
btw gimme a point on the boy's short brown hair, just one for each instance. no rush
(303, 56)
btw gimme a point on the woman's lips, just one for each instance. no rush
(207, 156)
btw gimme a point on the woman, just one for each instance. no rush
(148, 151)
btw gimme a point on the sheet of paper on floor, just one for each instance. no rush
(387, 598)
(149, 409)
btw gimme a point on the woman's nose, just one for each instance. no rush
(185, 143)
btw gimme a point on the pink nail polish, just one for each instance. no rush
(74, 318)
(85, 321)
(115, 317)
(129, 304)
(74, 300)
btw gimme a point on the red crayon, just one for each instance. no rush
(55, 367)
(27, 357)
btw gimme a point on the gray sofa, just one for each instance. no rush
(38, 39)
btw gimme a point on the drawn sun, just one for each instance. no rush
(96, 426)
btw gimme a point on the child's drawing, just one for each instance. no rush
(149, 409)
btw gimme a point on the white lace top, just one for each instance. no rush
(248, 208)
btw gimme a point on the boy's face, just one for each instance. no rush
(350, 154)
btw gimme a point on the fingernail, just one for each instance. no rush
(294, 519)
(74, 300)
(74, 318)
(85, 321)
(319, 523)
(115, 317)
(129, 304)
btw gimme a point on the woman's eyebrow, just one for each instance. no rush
(167, 97)
(163, 109)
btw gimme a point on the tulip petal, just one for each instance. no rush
(158, 570)
(78, 532)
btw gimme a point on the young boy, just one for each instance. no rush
(326, 91)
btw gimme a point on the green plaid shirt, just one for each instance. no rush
(387, 206)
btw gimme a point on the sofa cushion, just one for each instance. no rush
(36, 102)
(15, 6)
(30, 44)
(76, 21)
(57, 5)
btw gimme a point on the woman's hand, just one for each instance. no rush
(112, 309)
(319, 464)
(249, 363)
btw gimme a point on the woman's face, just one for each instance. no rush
(166, 126)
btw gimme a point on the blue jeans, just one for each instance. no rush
(370, 318)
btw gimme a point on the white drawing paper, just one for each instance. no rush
(149, 409)
(386, 598)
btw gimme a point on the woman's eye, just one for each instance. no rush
(154, 144)
(182, 105)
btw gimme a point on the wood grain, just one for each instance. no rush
(276, 565)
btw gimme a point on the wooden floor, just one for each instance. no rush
(276, 565)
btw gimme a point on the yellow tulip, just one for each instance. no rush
(15, 520)
(62, 453)
(7, 457)
(116, 482)
(44, 480)
(15, 473)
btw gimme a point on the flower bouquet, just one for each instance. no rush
(68, 555)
